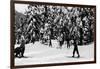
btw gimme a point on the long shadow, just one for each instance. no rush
(73, 57)
(24, 57)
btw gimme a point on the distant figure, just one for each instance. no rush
(33, 37)
(49, 38)
(68, 37)
(75, 43)
(81, 36)
(22, 46)
(50, 43)
(75, 49)
(68, 42)
(41, 33)
(61, 40)
(75, 37)
(19, 51)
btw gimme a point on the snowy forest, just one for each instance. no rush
(39, 21)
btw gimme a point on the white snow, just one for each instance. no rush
(43, 54)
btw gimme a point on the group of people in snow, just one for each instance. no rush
(45, 23)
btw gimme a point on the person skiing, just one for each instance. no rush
(61, 40)
(22, 46)
(75, 49)
(75, 43)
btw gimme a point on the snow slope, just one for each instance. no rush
(43, 54)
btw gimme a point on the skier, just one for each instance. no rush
(75, 49)
(49, 38)
(61, 40)
(22, 46)
(75, 43)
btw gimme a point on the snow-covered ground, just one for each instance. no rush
(43, 54)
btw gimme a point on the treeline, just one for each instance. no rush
(73, 22)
